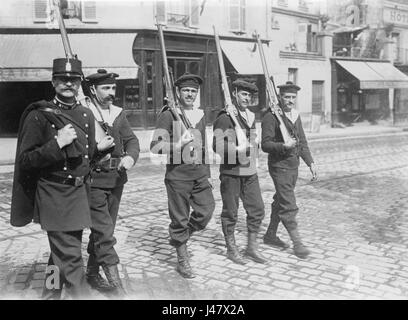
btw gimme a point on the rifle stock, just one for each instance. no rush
(274, 103)
(229, 106)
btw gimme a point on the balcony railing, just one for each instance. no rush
(178, 19)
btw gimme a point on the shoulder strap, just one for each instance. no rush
(58, 114)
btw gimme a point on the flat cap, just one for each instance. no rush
(289, 86)
(102, 77)
(67, 68)
(242, 84)
(188, 80)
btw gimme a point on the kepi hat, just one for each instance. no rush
(67, 68)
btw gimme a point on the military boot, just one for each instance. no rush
(299, 249)
(183, 265)
(270, 237)
(232, 250)
(94, 279)
(112, 274)
(252, 249)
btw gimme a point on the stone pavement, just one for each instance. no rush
(353, 219)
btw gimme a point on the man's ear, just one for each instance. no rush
(234, 93)
(92, 89)
(178, 92)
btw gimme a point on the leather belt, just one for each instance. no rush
(110, 164)
(74, 181)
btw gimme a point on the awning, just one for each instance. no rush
(375, 75)
(28, 57)
(243, 58)
(347, 29)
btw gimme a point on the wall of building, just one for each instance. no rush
(288, 50)
(139, 14)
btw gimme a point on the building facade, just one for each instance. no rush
(301, 55)
(122, 36)
(368, 61)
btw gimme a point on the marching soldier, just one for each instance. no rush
(56, 143)
(238, 175)
(187, 174)
(283, 163)
(108, 179)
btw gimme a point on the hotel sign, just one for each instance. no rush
(396, 16)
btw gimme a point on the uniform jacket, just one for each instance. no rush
(272, 142)
(181, 166)
(126, 143)
(224, 143)
(56, 206)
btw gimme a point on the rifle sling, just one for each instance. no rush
(63, 115)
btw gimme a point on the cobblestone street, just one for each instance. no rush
(354, 219)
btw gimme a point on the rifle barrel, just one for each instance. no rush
(272, 94)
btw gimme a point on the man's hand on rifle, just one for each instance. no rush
(105, 143)
(290, 144)
(66, 135)
(185, 138)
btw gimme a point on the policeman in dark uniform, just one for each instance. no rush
(108, 179)
(187, 174)
(56, 143)
(238, 172)
(283, 163)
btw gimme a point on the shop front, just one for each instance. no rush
(193, 53)
(26, 67)
(365, 90)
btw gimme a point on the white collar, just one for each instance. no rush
(292, 115)
(248, 115)
(109, 118)
(194, 115)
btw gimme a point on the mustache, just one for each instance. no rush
(109, 98)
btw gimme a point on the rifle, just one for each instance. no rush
(100, 130)
(229, 106)
(170, 97)
(274, 102)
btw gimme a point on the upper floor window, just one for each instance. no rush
(303, 5)
(306, 38)
(82, 10)
(184, 13)
(237, 16)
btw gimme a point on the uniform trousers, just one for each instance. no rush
(247, 189)
(284, 206)
(66, 256)
(182, 195)
(104, 212)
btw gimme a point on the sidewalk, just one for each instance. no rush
(8, 145)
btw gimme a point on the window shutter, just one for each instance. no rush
(243, 19)
(194, 13)
(88, 11)
(234, 15)
(41, 11)
(301, 37)
(161, 11)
